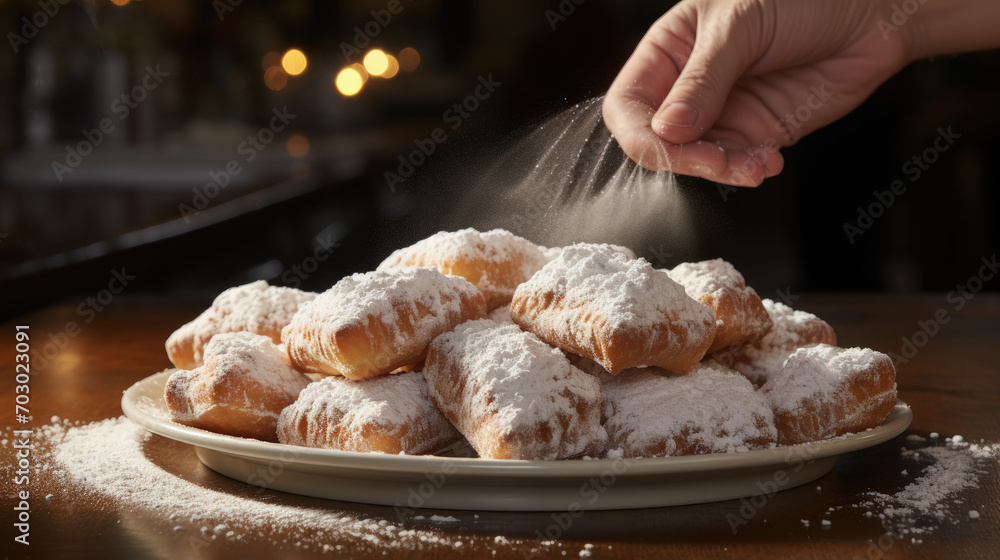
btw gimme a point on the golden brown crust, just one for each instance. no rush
(740, 315)
(372, 324)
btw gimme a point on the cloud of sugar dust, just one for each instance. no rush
(568, 181)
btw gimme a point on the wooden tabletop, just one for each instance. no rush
(952, 384)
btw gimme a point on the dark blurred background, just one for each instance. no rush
(184, 146)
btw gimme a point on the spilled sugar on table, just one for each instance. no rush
(950, 378)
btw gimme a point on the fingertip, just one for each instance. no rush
(770, 158)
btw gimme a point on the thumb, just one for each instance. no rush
(699, 94)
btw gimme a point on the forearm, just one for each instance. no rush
(940, 27)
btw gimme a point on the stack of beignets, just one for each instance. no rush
(526, 352)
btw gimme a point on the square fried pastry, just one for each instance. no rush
(594, 301)
(240, 390)
(373, 323)
(513, 396)
(389, 414)
(740, 317)
(824, 391)
(712, 409)
(792, 330)
(496, 261)
(255, 307)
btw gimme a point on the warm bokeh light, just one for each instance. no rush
(119, 2)
(297, 145)
(376, 62)
(271, 59)
(393, 67)
(349, 81)
(294, 62)
(275, 78)
(409, 59)
(360, 69)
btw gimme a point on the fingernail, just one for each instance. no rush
(680, 114)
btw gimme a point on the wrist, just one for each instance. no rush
(938, 27)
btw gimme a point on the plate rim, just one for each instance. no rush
(897, 422)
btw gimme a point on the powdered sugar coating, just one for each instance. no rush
(712, 409)
(241, 388)
(388, 414)
(256, 307)
(372, 323)
(496, 261)
(824, 391)
(513, 396)
(792, 329)
(501, 315)
(551, 253)
(704, 277)
(595, 301)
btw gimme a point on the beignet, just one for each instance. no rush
(373, 323)
(594, 301)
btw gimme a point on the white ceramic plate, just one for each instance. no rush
(483, 484)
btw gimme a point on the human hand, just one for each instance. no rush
(716, 87)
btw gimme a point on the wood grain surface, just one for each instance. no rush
(952, 383)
